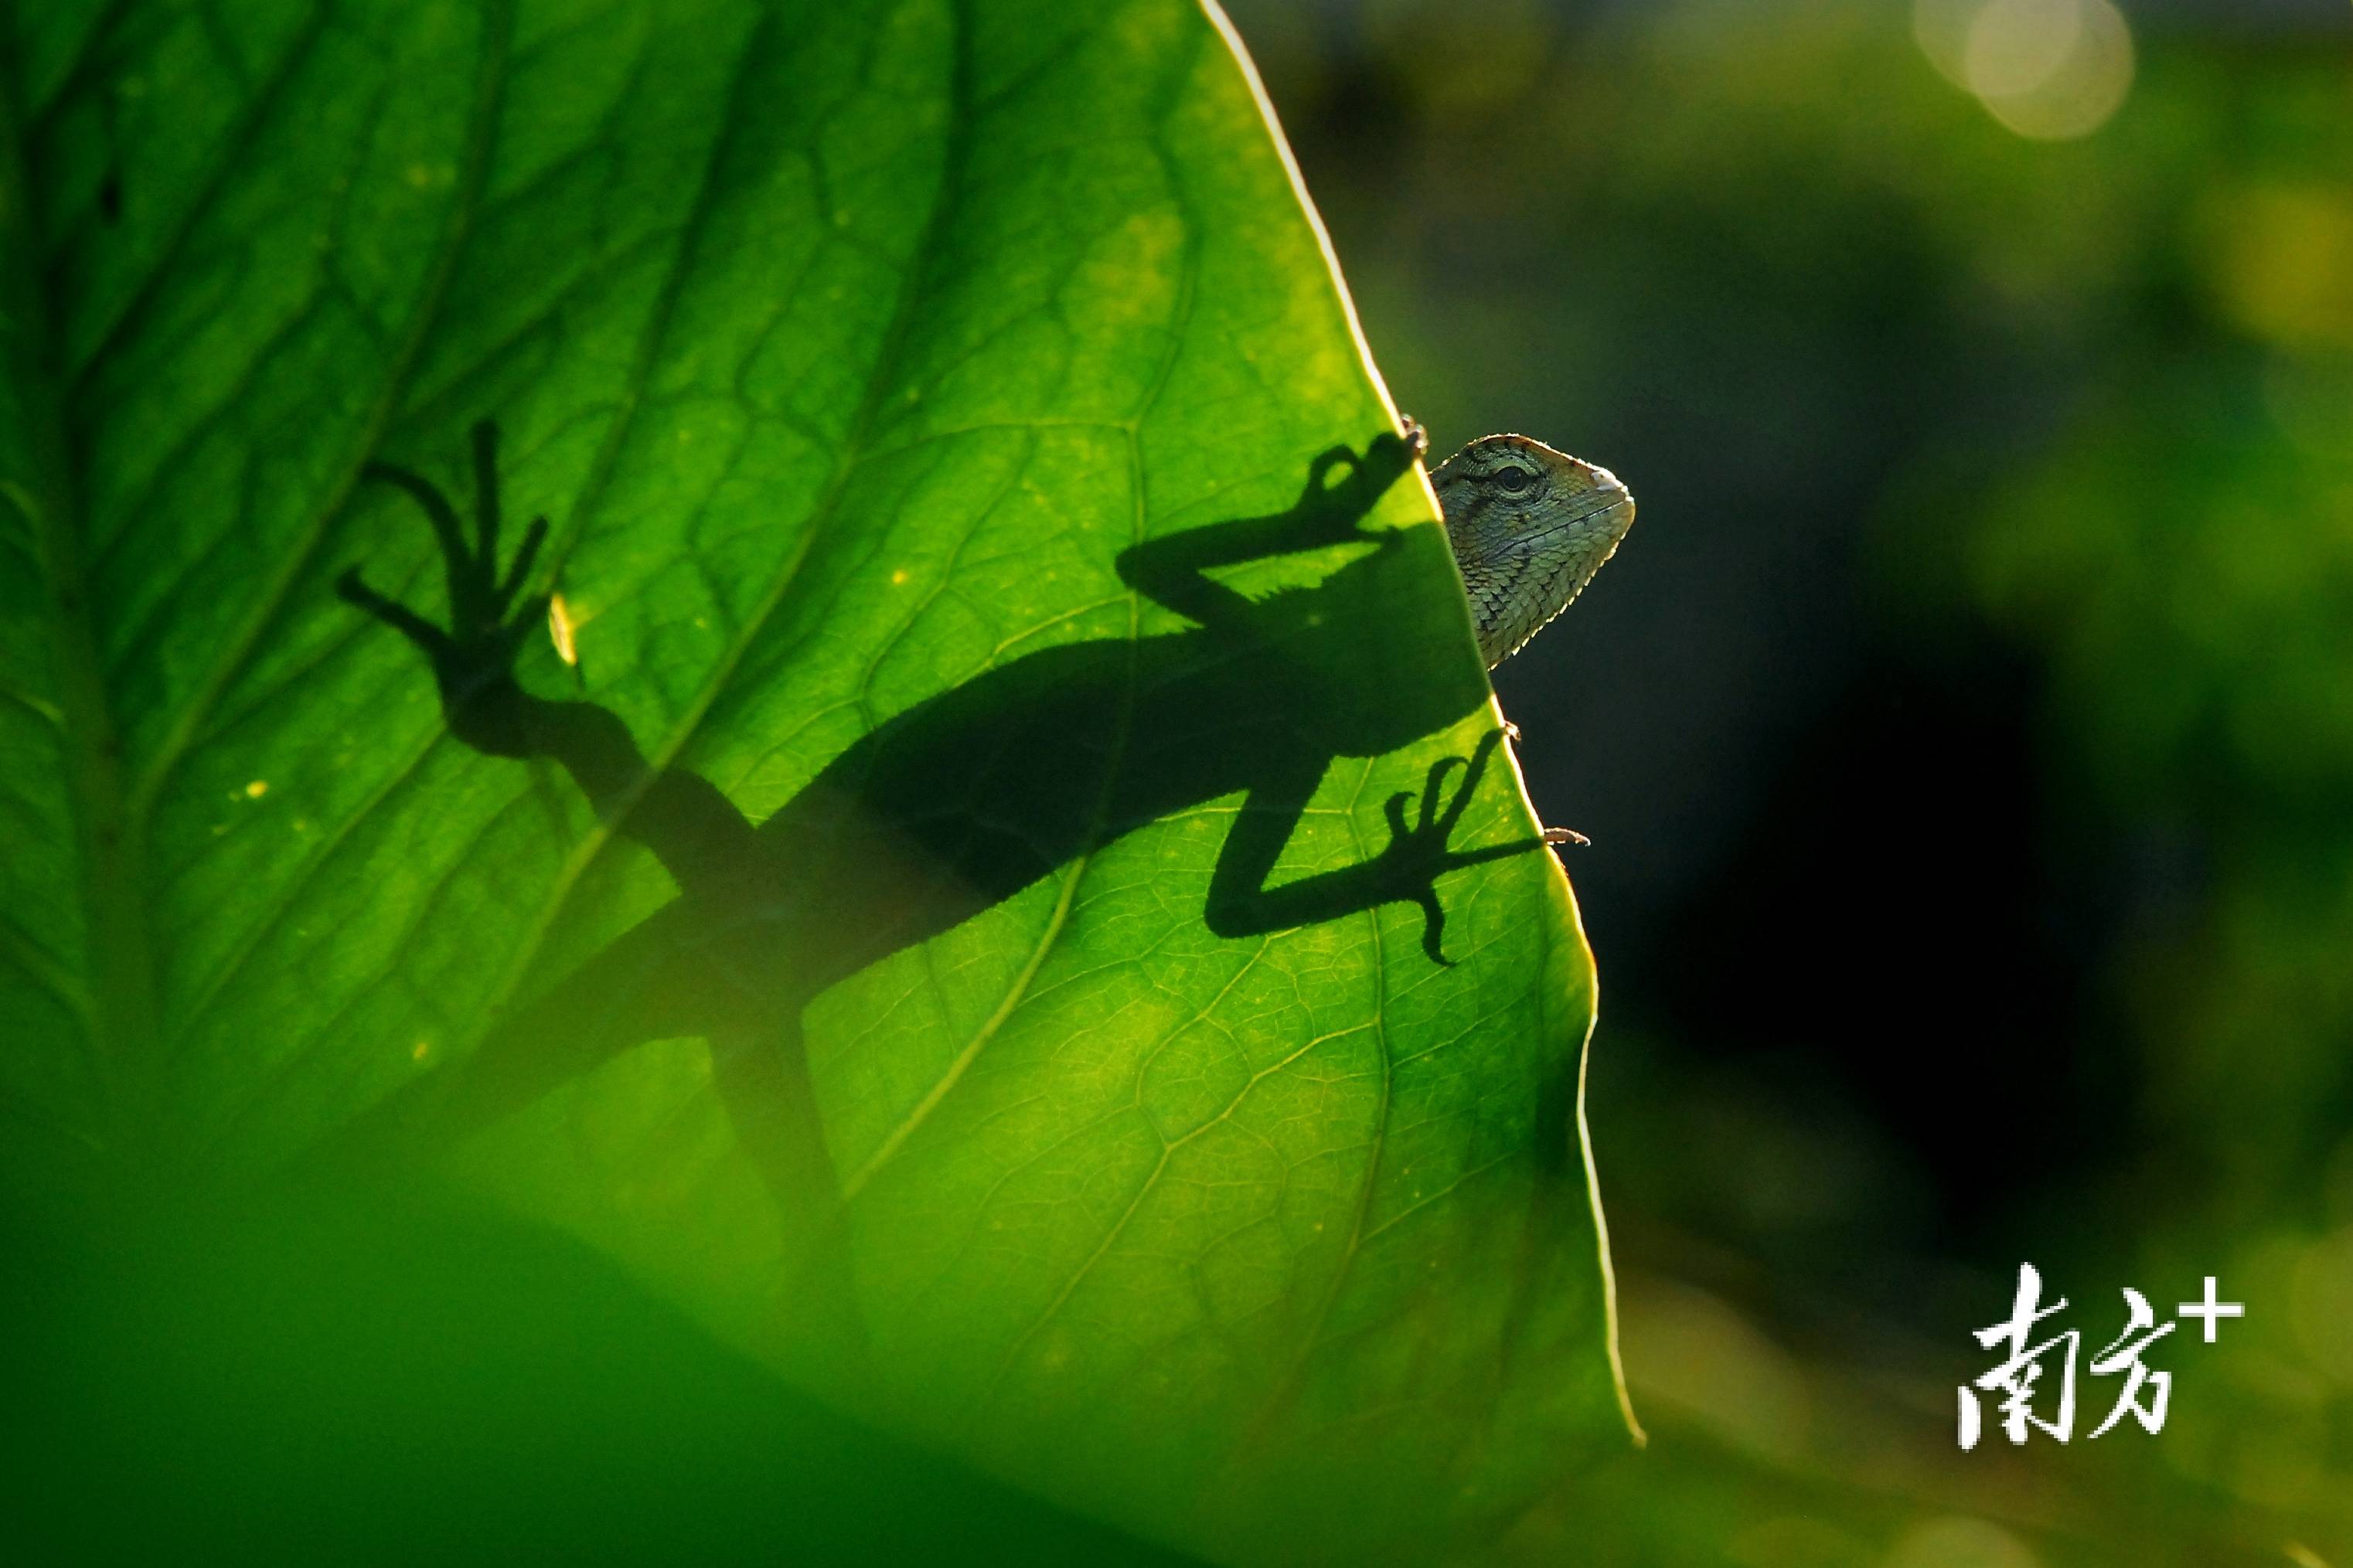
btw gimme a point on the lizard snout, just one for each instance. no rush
(1594, 491)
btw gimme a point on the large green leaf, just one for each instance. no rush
(865, 359)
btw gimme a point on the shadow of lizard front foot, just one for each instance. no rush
(1418, 855)
(473, 659)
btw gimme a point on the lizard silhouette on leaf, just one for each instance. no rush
(963, 800)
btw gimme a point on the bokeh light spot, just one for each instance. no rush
(2017, 46)
(2279, 255)
(2049, 69)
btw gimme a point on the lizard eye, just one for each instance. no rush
(1514, 481)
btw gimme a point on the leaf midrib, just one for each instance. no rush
(114, 812)
(114, 937)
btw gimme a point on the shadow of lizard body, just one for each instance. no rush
(962, 800)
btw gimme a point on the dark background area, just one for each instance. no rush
(1965, 730)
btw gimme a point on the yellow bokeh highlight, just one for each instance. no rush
(2281, 258)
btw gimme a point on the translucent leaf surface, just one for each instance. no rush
(926, 401)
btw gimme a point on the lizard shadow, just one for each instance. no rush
(958, 802)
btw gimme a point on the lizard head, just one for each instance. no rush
(1529, 527)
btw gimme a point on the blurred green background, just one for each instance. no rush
(1965, 732)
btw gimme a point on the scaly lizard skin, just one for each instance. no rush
(1529, 527)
